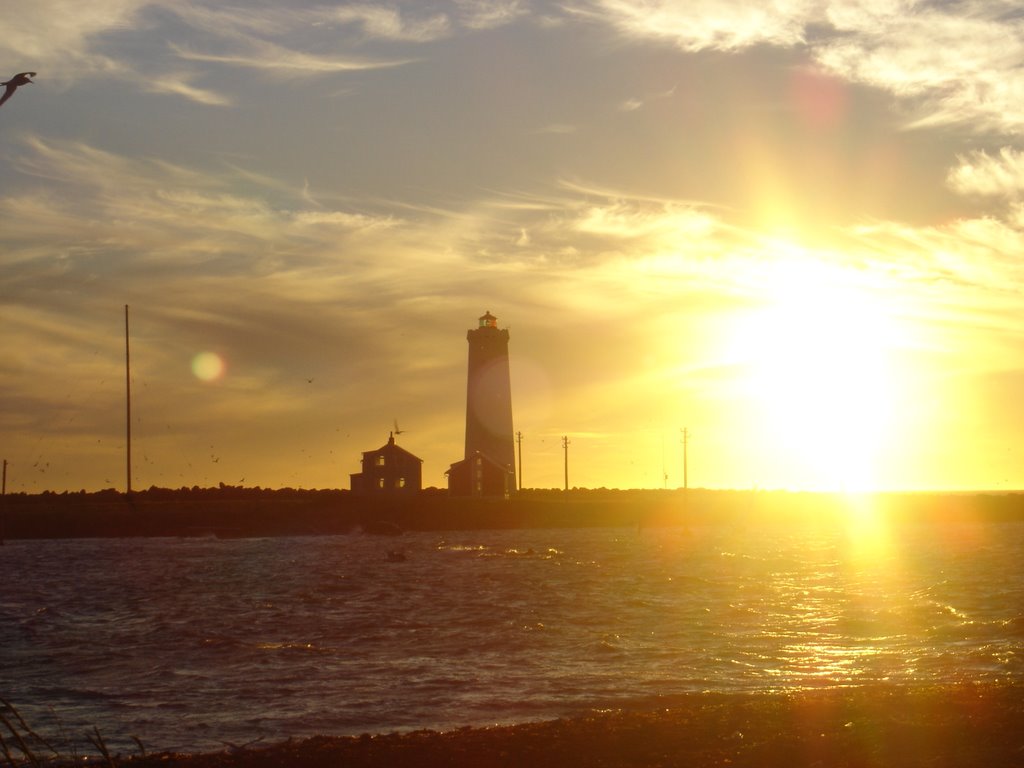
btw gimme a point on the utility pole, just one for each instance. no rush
(686, 440)
(128, 403)
(519, 445)
(664, 471)
(3, 503)
(565, 449)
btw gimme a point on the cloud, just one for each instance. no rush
(705, 24)
(209, 261)
(82, 213)
(957, 64)
(979, 173)
(283, 62)
(964, 68)
(60, 38)
(169, 216)
(965, 273)
(69, 42)
(629, 220)
(292, 43)
(393, 24)
(633, 103)
(258, 252)
(489, 14)
(383, 23)
(180, 85)
(286, 289)
(950, 63)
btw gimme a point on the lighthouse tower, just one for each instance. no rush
(489, 464)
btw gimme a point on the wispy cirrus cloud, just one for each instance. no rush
(265, 40)
(70, 42)
(979, 173)
(489, 14)
(312, 306)
(629, 220)
(389, 23)
(284, 62)
(957, 63)
(963, 64)
(161, 212)
(60, 38)
(970, 264)
(705, 24)
(951, 63)
(180, 84)
(80, 197)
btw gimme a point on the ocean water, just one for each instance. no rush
(192, 643)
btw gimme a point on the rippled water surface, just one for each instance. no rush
(189, 643)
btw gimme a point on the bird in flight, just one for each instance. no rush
(14, 83)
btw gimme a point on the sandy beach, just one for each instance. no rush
(953, 726)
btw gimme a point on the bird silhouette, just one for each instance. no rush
(14, 83)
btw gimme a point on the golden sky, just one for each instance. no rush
(794, 228)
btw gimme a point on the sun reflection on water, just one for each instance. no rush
(839, 610)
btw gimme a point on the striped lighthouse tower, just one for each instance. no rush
(489, 396)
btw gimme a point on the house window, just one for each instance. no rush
(380, 482)
(400, 483)
(380, 460)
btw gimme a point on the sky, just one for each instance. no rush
(793, 228)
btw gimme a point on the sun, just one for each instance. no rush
(817, 355)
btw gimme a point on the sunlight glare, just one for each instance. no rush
(208, 366)
(819, 374)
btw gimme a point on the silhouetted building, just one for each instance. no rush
(388, 470)
(488, 467)
(479, 476)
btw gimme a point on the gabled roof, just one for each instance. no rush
(480, 455)
(391, 448)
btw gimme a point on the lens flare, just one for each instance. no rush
(208, 366)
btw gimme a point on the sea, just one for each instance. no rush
(191, 644)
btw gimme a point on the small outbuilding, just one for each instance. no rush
(389, 470)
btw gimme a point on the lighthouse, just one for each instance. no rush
(488, 467)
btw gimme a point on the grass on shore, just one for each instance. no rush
(21, 745)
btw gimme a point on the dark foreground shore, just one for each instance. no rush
(231, 512)
(954, 726)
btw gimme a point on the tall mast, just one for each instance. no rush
(519, 443)
(3, 503)
(686, 441)
(128, 403)
(565, 450)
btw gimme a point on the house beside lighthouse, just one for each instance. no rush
(389, 470)
(488, 465)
